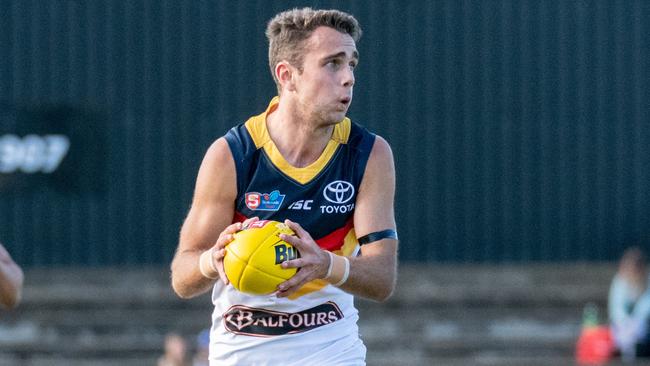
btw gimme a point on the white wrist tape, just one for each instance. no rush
(346, 274)
(339, 269)
(329, 269)
(206, 265)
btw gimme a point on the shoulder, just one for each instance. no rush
(381, 149)
(217, 168)
(364, 138)
(380, 161)
(379, 175)
(218, 153)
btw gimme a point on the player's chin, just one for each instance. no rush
(337, 116)
(332, 116)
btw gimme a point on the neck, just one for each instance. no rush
(300, 139)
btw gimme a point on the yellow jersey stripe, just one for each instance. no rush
(256, 127)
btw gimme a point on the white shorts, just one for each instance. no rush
(330, 355)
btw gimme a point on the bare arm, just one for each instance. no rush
(11, 280)
(207, 224)
(372, 275)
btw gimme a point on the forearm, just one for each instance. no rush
(187, 279)
(11, 284)
(372, 276)
(212, 212)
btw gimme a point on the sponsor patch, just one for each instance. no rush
(256, 322)
(264, 201)
(301, 205)
(339, 192)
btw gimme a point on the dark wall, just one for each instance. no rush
(520, 128)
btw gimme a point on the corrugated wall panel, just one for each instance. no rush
(520, 128)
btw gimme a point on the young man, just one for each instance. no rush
(11, 280)
(331, 181)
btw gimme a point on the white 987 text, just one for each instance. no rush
(32, 153)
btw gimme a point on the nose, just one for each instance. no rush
(348, 77)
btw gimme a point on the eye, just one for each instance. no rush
(335, 63)
(353, 64)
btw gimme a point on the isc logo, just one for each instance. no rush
(301, 205)
(285, 253)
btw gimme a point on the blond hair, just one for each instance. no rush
(288, 30)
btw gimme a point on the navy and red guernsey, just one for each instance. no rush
(320, 197)
(263, 329)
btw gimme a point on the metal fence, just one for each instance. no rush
(520, 129)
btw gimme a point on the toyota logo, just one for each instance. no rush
(339, 192)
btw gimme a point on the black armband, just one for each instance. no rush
(378, 235)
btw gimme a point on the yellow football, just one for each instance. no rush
(253, 258)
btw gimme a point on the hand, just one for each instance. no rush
(312, 264)
(219, 248)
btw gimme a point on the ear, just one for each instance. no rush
(284, 72)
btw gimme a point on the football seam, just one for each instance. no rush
(259, 269)
(238, 279)
(262, 244)
(248, 263)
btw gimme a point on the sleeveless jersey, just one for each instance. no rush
(318, 324)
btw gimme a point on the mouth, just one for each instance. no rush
(345, 100)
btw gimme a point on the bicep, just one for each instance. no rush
(213, 204)
(374, 209)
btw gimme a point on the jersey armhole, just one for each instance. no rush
(364, 148)
(237, 146)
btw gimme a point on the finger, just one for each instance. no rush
(248, 222)
(294, 263)
(300, 232)
(292, 285)
(218, 254)
(222, 274)
(217, 257)
(292, 289)
(293, 240)
(232, 228)
(284, 286)
(224, 240)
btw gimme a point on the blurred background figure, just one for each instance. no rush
(11, 280)
(202, 349)
(175, 351)
(629, 305)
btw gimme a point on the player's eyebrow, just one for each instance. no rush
(342, 54)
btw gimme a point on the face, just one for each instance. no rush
(323, 89)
